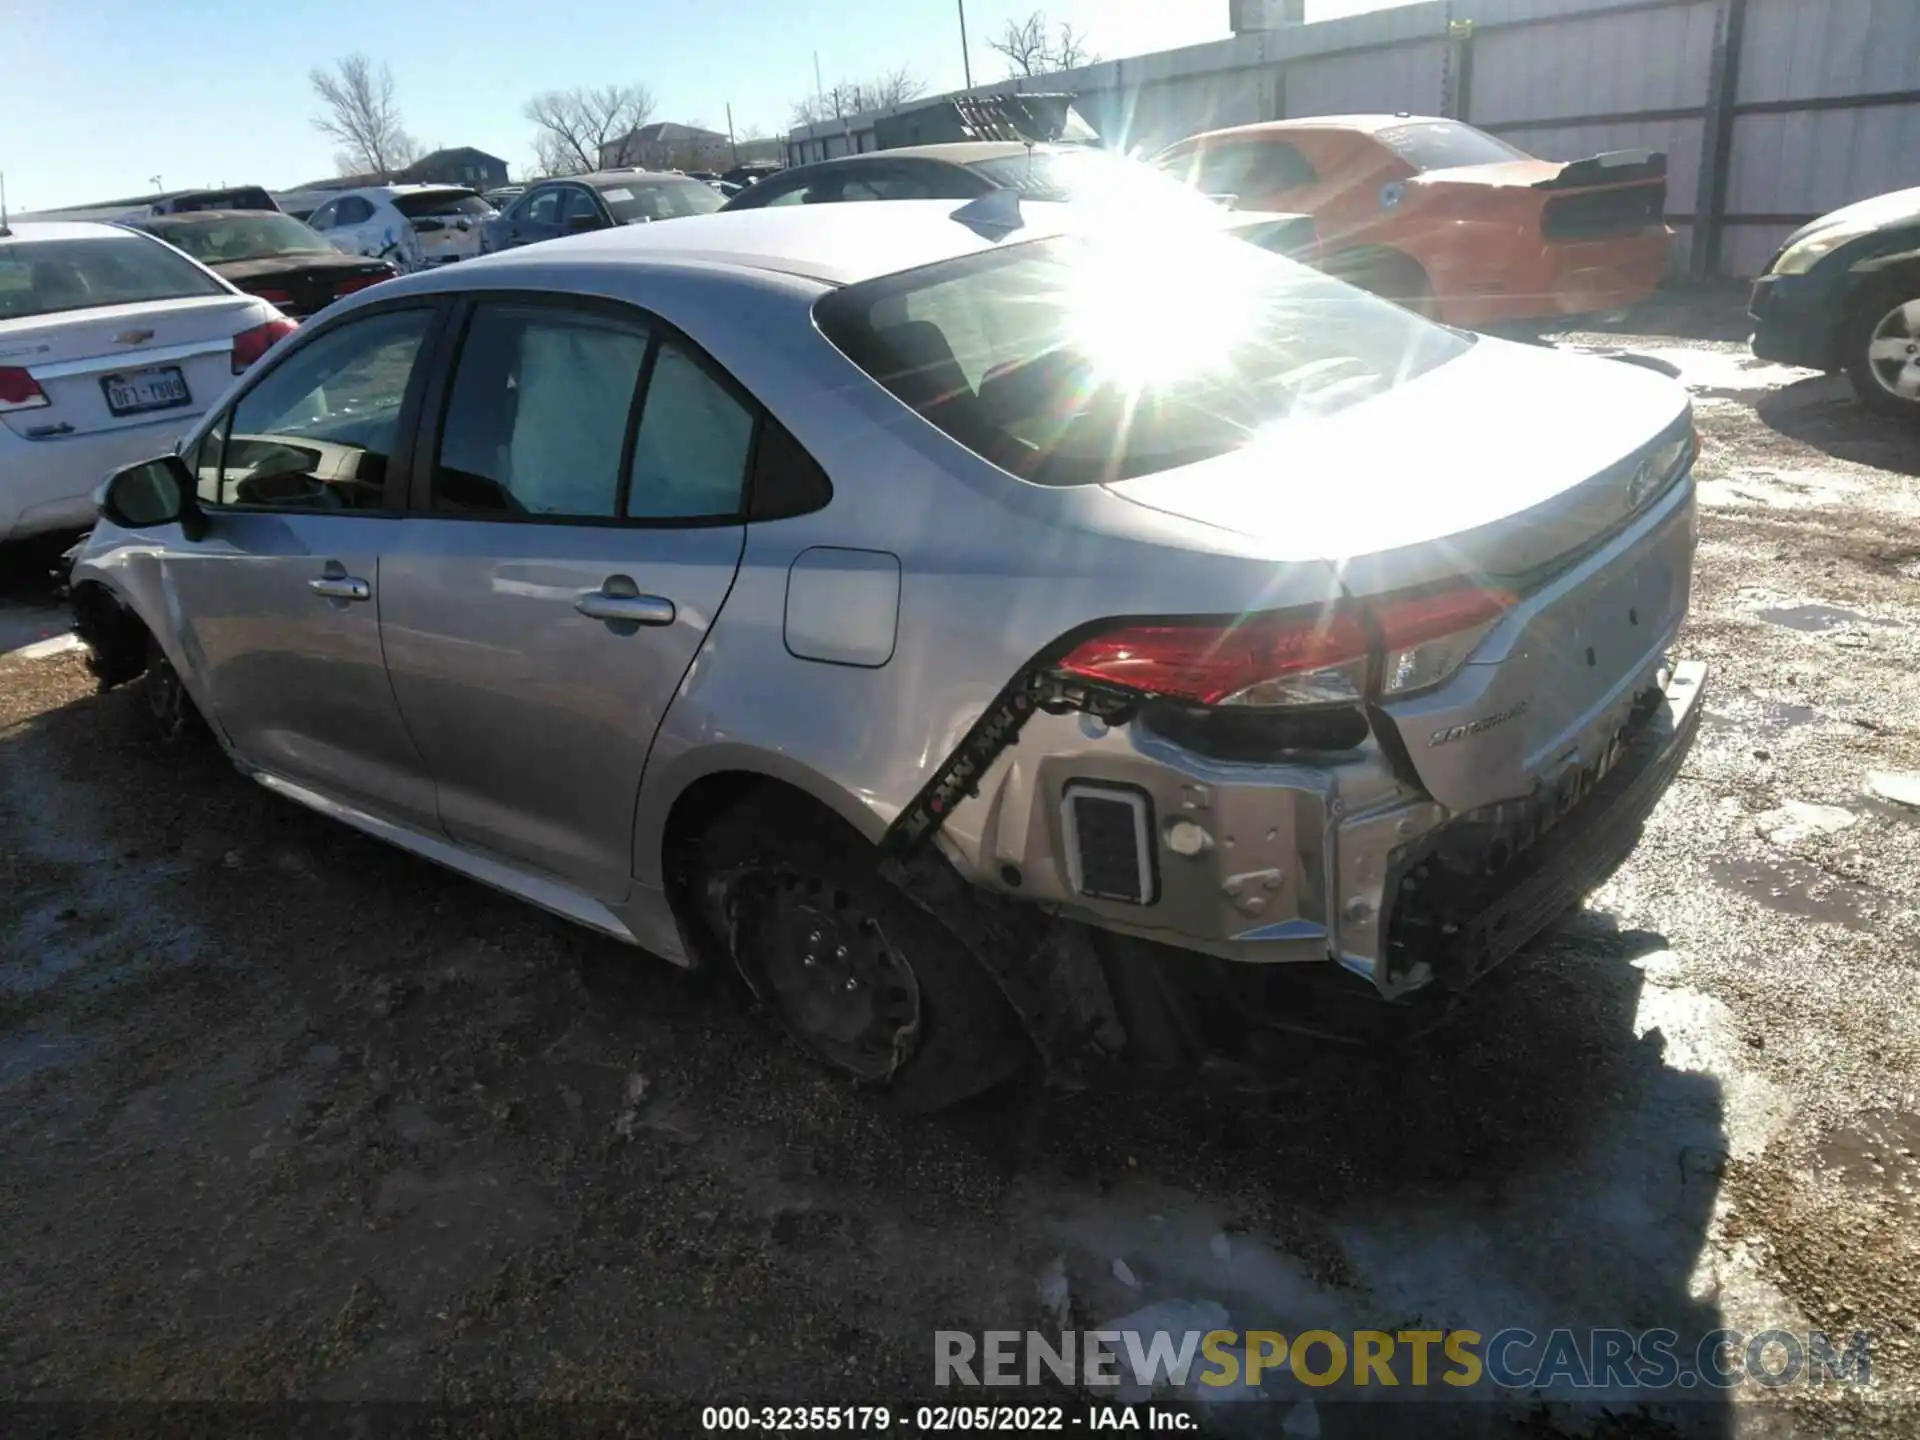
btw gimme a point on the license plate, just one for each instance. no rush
(133, 392)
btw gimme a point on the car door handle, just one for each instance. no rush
(633, 609)
(341, 587)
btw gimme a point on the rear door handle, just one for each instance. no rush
(620, 601)
(341, 587)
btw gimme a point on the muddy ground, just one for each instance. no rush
(288, 1114)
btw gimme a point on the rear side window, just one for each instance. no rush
(690, 456)
(1442, 144)
(353, 210)
(1244, 167)
(537, 420)
(1079, 360)
(47, 277)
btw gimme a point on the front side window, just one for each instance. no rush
(318, 431)
(47, 277)
(325, 217)
(354, 210)
(540, 208)
(1081, 360)
(537, 420)
(581, 212)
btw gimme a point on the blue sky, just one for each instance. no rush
(98, 95)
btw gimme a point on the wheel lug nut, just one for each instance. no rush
(852, 984)
(840, 952)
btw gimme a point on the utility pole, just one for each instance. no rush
(154, 180)
(966, 55)
(732, 144)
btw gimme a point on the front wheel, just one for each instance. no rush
(866, 980)
(175, 717)
(1883, 351)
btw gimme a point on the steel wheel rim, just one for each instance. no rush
(1893, 352)
(835, 976)
(165, 694)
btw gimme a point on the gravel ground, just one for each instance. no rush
(285, 1113)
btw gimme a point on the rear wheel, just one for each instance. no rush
(1882, 349)
(870, 983)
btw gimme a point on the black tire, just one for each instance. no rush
(794, 897)
(1874, 320)
(1388, 274)
(175, 717)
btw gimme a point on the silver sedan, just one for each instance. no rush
(992, 630)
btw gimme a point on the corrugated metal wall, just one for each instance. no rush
(1826, 108)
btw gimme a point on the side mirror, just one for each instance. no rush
(154, 492)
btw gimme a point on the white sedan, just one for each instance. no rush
(412, 226)
(111, 344)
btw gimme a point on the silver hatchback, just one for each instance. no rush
(990, 630)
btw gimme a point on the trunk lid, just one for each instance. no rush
(1492, 464)
(70, 353)
(1509, 467)
(301, 285)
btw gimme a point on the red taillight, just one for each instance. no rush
(1296, 657)
(1413, 621)
(19, 390)
(250, 345)
(355, 282)
(1206, 664)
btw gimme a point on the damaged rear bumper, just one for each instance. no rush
(1456, 899)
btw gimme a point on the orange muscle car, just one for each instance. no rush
(1447, 219)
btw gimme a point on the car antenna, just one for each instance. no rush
(992, 215)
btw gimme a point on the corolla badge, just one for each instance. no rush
(1475, 727)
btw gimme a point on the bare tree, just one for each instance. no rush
(360, 113)
(1032, 47)
(845, 98)
(588, 127)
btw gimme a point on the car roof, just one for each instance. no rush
(835, 244)
(387, 192)
(956, 152)
(61, 230)
(188, 217)
(600, 179)
(1359, 124)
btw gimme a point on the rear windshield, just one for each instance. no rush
(1442, 144)
(251, 197)
(422, 204)
(1090, 175)
(46, 277)
(660, 199)
(241, 237)
(1073, 361)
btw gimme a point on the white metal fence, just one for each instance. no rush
(1771, 111)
